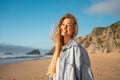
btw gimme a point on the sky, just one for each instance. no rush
(29, 22)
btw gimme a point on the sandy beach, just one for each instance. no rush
(104, 67)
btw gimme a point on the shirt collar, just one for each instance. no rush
(68, 45)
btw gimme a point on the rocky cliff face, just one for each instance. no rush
(102, 39)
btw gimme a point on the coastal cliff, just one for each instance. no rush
(102, 39)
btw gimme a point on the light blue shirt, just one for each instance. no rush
(73, 63)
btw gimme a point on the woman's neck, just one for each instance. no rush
(66, 40)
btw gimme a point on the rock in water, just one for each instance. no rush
(34, 52)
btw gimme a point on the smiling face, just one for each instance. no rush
(67, 28)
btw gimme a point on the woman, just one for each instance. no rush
(70, 60)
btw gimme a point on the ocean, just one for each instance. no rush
(13, 58)
(15, 53)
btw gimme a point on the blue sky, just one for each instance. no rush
(28, 22)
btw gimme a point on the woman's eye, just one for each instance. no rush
(63, 24)
(69, 25)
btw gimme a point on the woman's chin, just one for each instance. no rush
(65, 35)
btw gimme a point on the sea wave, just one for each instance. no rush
(7, 59)
(23, 56)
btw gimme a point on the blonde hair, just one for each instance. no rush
(58, 39)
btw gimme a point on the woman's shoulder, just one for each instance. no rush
(76, 44)
(72, 43)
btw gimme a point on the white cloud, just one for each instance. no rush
(105, 7)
